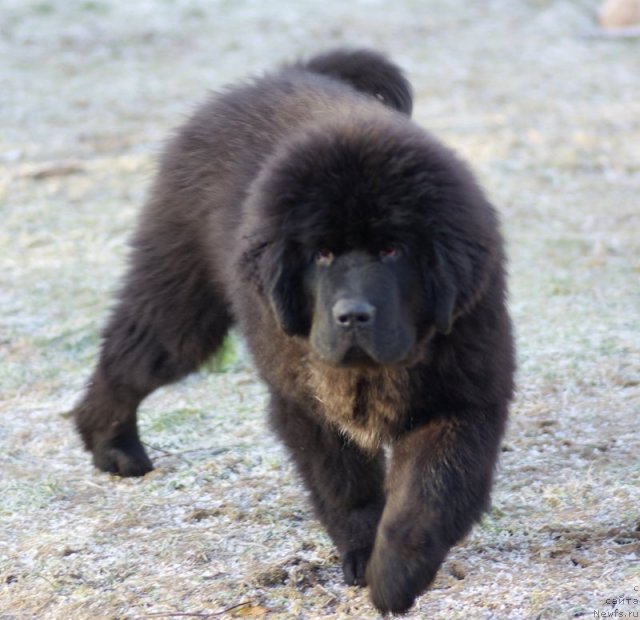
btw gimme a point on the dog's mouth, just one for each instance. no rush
(356, 356)
(363, 347)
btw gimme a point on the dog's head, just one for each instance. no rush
(369, 239)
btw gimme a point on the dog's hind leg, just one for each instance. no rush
(170, 317)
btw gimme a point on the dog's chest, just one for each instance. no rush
(369, 407)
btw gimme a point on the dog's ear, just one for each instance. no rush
(286, 293)
(441, 291)
(455, 277)
(277, 274)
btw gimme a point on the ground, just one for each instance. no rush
(547, 111)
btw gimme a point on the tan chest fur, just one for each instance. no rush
(368, 406)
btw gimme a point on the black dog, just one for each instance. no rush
(364, 267)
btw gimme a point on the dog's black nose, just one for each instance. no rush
(353, 313)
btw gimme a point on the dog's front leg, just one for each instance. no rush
(438, 485)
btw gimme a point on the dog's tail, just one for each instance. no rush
(369, 72)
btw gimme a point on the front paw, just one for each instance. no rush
(354, 565)
(123, 457)
(397, 576)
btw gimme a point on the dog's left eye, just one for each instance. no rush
(324, 257)
(389, 253)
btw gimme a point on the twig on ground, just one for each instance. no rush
(196, 614)
(180, 454)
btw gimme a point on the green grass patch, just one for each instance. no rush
(19, 495)
(167, 421)
(227, 358)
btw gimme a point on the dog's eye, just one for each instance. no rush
(390, 253)
(324, 257)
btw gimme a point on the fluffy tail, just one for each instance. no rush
(369, 72)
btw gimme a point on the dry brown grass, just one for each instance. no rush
(548, 114)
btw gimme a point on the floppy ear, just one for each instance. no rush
(285, 290)
(455, 279)
(441, 289)
(277, 275)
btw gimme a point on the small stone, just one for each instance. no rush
(199, 514)
(580, 560)
(615, 14)
(304, 575)
(457, 570)
(271, 576)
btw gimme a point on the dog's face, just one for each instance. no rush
(369, 243)
(363, 306)
(366, 305)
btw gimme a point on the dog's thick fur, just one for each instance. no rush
(364, 267)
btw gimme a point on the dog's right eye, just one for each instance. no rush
(324, 257)
(390, 253)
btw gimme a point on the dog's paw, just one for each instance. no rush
(122, 458)
(354, 566)
(396, 579)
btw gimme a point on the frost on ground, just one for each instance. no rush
(548, 113)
